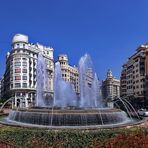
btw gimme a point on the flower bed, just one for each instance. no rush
(39, 138)
(137, 139)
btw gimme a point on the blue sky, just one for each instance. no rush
(109, 30)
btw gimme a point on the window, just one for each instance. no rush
(23, 45)
(24, 59)
(17, 85)
(24, 85)
(17, 63)
(17, 70)
(23, 94)
(24, 77)
(18, 45)
(18, 94)
(24, 70)
(17, 59)
(24, 63)
(17, 77)
(142, 80)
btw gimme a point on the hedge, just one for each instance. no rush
(40, 138)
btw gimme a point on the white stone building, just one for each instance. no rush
(69, 73)
(110, 87)
(20, 74)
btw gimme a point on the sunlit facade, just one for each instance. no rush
(134, 77)
(110, 87)
(20, 74)
(69, 73)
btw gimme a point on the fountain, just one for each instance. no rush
(42, 85)
(64, 94)
(87, 93)
(69, 110)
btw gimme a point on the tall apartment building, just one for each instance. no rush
(110, 87)
(134, 77)
(69, 73)
(123, 81)
(20, 74)
(146, 77)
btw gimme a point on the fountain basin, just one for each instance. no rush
(65, 117)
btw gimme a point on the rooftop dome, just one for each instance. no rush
(20, 38)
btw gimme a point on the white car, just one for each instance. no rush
(143, 112)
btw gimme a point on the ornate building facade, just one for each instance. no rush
(110, 87)
(69, 73)
(20, 73)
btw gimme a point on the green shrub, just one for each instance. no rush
(41, 138)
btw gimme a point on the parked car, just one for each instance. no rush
(143, 112)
